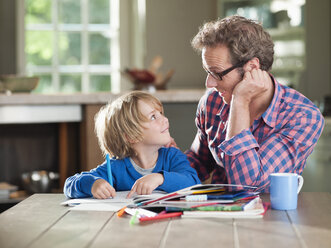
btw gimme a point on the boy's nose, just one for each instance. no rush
(210, 82)
(165, 120)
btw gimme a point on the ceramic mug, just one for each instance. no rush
(284, 190)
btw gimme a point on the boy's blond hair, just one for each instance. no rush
(119, 123)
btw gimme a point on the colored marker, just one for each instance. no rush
(134, 218)
(110, 176)
(121, 212)
(161, 216)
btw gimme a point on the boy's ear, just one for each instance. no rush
(253, 63)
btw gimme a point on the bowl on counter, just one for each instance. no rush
(39, 181)
(14, 83)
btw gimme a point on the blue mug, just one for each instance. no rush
(284, 190)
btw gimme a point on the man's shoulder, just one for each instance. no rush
(295, 105)
(297, 102)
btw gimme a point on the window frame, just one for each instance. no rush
(85, 29)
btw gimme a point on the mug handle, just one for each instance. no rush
(300, 178)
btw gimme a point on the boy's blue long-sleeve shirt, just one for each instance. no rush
(171, 162)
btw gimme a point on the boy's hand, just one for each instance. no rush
(146, 184)
(101, 189)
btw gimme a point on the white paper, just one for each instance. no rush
(141, 212)
(119, 198)
(99, 207)
(111, 204)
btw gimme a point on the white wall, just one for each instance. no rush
(170, 26)
(316, 81)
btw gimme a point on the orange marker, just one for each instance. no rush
(121, 212)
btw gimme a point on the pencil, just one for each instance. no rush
(110, 176)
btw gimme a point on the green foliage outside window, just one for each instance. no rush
(38, 11)
(69, 11)
(98, 11)
(99, 83)
(40, 43)
(39, 47)
(45, 84)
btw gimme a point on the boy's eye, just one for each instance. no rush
(153, 117)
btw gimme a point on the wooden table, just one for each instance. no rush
(40, 221)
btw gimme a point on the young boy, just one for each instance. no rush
(134, 131)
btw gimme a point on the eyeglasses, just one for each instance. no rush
(219, 76)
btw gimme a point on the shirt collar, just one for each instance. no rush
(270, 115)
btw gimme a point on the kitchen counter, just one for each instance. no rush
(52, 108)
(166, 96)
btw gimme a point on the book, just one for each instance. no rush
(225, 192)
(211, 200)
(253, 209)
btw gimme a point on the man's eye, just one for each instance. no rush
(153, 117)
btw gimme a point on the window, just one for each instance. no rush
(72, 45)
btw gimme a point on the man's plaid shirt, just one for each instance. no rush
(279, 141)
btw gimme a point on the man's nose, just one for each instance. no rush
(210, 82)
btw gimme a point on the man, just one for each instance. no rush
(249, 125)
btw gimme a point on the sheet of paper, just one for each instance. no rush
(115, 206)
(119, 198)
(111, 204)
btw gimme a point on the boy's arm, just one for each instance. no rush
(177, 172)
(146, 184)
(80, 184)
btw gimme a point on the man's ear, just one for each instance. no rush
(253, 63)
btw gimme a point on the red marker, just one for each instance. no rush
(161, 216)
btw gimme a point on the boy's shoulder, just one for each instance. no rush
(170, 151)
(117, 162)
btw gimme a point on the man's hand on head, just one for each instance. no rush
(254, 84)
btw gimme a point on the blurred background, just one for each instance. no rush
(81, 48)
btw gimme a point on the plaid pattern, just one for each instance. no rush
(279, 141)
